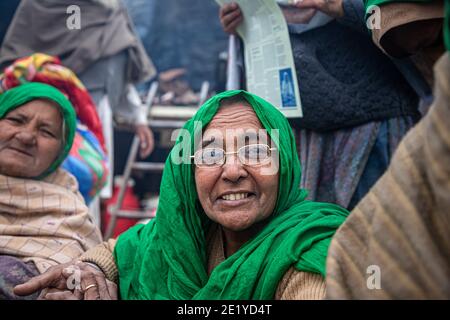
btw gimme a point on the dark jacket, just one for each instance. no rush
(344, 79)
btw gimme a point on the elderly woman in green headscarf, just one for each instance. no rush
(43, 219)
(232, 222)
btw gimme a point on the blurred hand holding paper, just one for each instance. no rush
(269, 63)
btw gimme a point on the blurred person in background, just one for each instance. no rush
(7, 10)
(357, 105)
(410, 29)
(104, 52)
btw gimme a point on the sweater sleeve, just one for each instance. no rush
(354, 15)
(299, 285)
(102, 256)
(129, 109)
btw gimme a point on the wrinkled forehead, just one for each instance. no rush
(40, 106)
(234, 122)
(235, 116)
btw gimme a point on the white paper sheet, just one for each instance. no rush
(269, 63)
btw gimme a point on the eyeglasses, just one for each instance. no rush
(249, 155)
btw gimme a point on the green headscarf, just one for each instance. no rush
(167, 259)
(18, 96)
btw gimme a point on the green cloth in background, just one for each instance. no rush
(167, 258)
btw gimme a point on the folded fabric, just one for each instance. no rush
(44, 221)
(88, 163)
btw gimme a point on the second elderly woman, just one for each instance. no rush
(43, 219)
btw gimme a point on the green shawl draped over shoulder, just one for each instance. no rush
(167, 259)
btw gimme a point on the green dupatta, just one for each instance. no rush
(166, 259)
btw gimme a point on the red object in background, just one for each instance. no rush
(130, 202)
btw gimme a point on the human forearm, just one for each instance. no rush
(102, 256)
(300, 285)
(354, 15)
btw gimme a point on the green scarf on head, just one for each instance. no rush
(167, 259)
(20, 95)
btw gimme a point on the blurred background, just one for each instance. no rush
(187, 46)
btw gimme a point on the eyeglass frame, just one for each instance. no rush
(233, 152)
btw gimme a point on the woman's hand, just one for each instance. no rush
(53, 278)
(333, 8)
(90, 284)
(230, 17)
(79, 281)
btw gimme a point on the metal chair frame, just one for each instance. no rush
(133, 164)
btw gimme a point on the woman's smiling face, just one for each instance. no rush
(30, 139)
(234, 195)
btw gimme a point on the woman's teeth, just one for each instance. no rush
(235, 196)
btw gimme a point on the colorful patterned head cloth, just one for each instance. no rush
(167, 259)
(43, 68)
